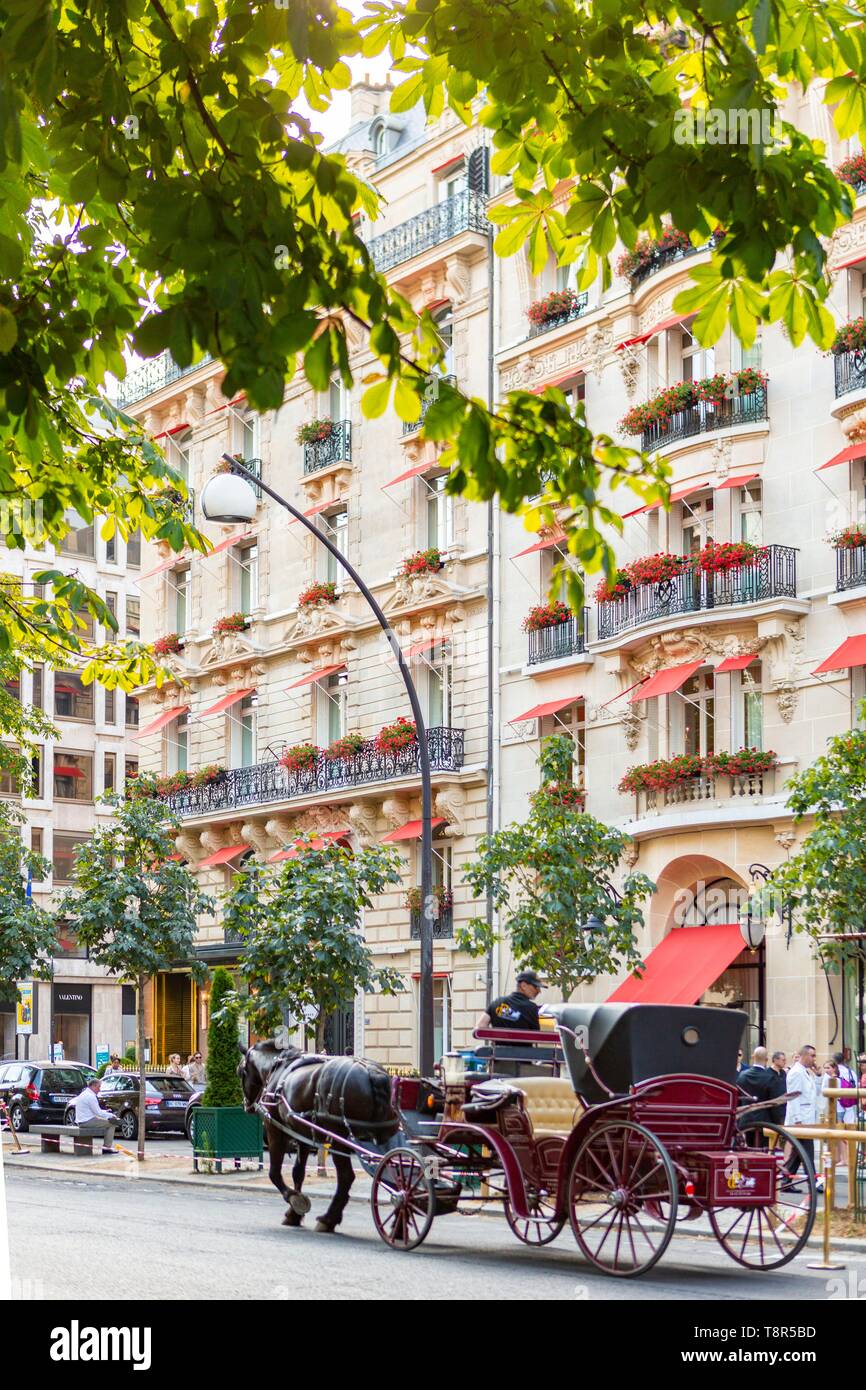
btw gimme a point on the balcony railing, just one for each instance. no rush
(268, 782)
(465, 212)
(705, 417)
(773, 574)
(443, 925)
(410, 426)
(555, 643)
(669, 256)
(337, 448)
(696, 790)
(575, 312)
(850, 368)
(152, 376)
(850, 567)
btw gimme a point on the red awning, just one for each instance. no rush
(423, 646)
(167, 716)
(175, 429)
(557, 380)
(410, 831)
(318, 843)
(319, 507)
(318, 675)
(227, 701)
(411, 473)
(676, 496)
(739, 481)
(223, 856)
(854, 451)
(166, 565)
(224, 544)
(682, 966)
(851, 653)
(539, 711)
(852, 260)
(736, 663)
(666, 681)
(555, 539)
(61, 770)
(645, 337)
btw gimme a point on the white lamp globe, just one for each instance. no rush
(225, 497)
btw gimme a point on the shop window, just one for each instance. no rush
(73, 776)
(63, 855)
(72, 698)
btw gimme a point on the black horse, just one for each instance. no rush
(347, 1096)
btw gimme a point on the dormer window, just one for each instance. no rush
(380, 140)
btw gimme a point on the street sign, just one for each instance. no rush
(103, 1054)
(24, 1009)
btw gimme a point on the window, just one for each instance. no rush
(73, 776)
(110, 633)
(133, 550)
(697, 523)
(745, 357)
(380, 141)
(250, 437)
(331, 707)
(751, 513)
(441, 1016)
(242, 731)
(695, 707)
(180, 579)
(110, 707)
(131, 715)
(440, 513)
(453, 182)
(751, 682)
(179, 456)
(439, 686)
(176, 737)
(247, 561)
(130, 769)
(133, 617)
(63, 857)
(12, 686)
(571, 721)
(336, 527)
(37, 687)
(79, 538)
(36, 842)
(72, 698)
(84, 624)
(444, 321)
(10, 782)
(67, 942)
(338, 405)
(696, 361)
(109, 772)
(441, 865)
(111, 550)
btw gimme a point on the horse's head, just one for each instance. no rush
(255, 1067)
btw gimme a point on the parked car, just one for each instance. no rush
(39, 1092)
(192, 1105)
(166, 1099)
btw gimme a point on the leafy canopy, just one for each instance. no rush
(27, 931)
(548, 876)
(304, 954)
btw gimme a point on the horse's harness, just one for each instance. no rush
(323, 1101)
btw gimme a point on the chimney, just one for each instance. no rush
(368, 99)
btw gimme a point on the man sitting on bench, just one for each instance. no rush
(92, 1119)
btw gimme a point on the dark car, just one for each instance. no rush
(192, 1105)
(39, 1093)
(166, 1099)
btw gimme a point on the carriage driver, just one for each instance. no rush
(517, 1010)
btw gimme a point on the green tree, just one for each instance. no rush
(27, 931)
(160, 188)
(133, 905)
(24, 725)
(548, 876)
(304, 954)
(823, 885)
(223, 1083)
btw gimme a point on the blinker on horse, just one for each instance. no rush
(300, 1094)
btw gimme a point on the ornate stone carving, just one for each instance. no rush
(396, 811)
(785, 653)
(631, 722)
(629, 366)
(847, 242)
(220, 838)
(786, 839)
(227, 646)
(320, 818)
(457, 279)
(631, 854)
(854, 426)
(187, 843)
(316, 620)
(279, 829)
(450, 802)
(722, 451)
(255, 834)
(596, 346)
(412, 589)
(363, 818)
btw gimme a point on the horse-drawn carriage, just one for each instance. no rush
(646, 1129)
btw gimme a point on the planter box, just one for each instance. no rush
(227, 1131)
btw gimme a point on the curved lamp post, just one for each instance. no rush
(229, 497)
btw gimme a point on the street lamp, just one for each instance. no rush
(753, 926)
(229, 497)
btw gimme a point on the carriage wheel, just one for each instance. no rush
(622, 1198)
(402, 1200)
(769, 1236)
(546, 1227)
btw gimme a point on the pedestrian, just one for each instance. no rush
(92, 1119)
(174, 1067)
(194, 1070)
(844, 1069)
(739, 1061)
(802, 1109)
(778, 1085)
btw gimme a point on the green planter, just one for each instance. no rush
(220, 1132)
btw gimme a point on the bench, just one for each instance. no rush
(82, 1140)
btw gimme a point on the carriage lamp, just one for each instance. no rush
(226, 497)
(753, 926)
(453, 1069)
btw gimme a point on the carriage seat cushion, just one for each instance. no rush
(489, 1098)
(551, 1104)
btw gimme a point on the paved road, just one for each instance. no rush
(108, 1239)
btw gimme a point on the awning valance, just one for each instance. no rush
(166, 717)
(222, 856)
(651, 332)
(682, 966)
(851, 653)
(854, 451)
(736, 663)
(410, 473)
(227, 701)
(739, 481)
(539, 711)
(666, 681)
(556, 539)
(319, 842)
(319, 675)
(411, 830)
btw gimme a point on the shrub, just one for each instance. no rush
(391, 738)
(667, 772)
(320, 592)
(665, 403)
(546, 615)
(315, 431)
(223, 1083)
(299, 757)
(606, 591)
(719, 557)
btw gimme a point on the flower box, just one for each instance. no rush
(393, 738)
(720, 557)
(852, 170)
(321, 592)
(300, 758)
(423, 562)
(546, 615)
(607, 591)
(660, 408)
(667, 772)
(166, 646)
(233, 622)
(848, 539)
(444, 899)
(553, 306)
(315, 431)
(851, 337)
(345, 748)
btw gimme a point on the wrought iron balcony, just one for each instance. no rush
(669, 256)
(706, 416)
(578, 308)
(410, 426)
(555, 643)
(152, 376)
(443, 925)
(264, 783)
(850, 567)
(337, 448)
(465, 212)
(850, 368)
(773, 574)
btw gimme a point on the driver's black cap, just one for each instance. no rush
(529, 977)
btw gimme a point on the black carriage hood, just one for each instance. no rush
(634, 1042)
